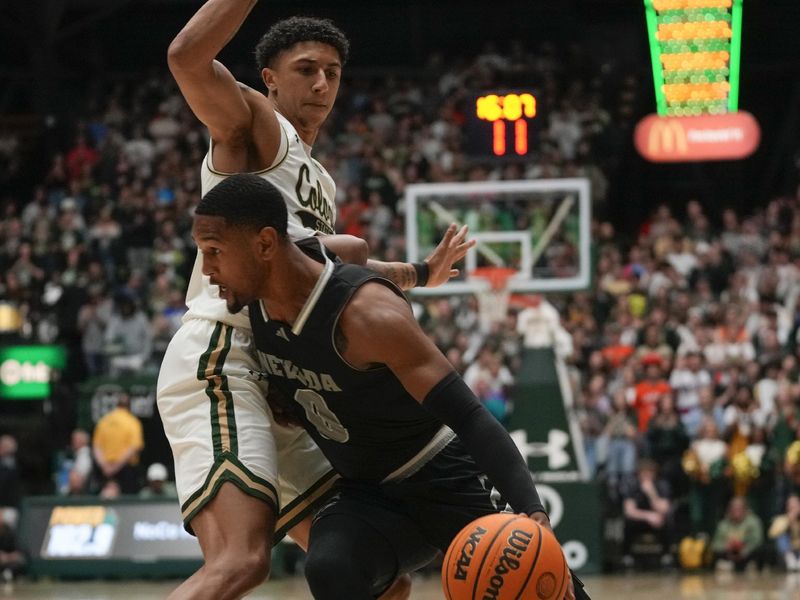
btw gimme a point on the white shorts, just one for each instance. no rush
(216, 419)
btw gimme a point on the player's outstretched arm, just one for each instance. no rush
(216, 98)
(436, 269)
(378, 327)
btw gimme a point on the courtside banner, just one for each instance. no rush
(728, 136)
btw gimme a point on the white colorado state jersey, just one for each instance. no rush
(310, 194)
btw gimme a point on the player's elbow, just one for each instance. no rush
(348, 248)
(357, 251)
(181, 55)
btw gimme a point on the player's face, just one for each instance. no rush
(304, 82)
(229, 260)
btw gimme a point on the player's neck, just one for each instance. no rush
(307, 133)
(290, 285)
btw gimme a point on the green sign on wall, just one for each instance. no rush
(25, 371)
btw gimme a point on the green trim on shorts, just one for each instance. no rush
(229, 408)
(221, 408)
(306, 504)
(227, 468)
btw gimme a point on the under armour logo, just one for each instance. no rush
(554, 449)
(282, 333)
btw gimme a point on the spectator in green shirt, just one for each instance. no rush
(737, 540)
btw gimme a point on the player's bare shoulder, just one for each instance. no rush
(375, 315)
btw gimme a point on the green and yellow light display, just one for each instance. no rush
(695, 47)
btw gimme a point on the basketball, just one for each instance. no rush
(504, 557)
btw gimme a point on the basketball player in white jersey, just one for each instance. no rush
(223, 439)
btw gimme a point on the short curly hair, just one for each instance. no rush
(288, 32)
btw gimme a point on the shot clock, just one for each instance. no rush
(499, 124)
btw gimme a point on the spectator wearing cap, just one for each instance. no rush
(157, 485)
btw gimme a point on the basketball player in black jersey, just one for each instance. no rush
(418, 454)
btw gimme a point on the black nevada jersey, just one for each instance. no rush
(364, 421)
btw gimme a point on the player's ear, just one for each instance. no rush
(268, 75)
(267, 242)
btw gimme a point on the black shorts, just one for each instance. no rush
(426, 509)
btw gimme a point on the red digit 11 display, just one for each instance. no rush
(512, 109)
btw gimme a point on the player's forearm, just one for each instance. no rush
(207, 32)
(486, 440)
(401, 274)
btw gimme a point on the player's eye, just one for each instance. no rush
(332, 74)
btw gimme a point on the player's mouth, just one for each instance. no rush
(223, 291)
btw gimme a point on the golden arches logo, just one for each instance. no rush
(668, 137)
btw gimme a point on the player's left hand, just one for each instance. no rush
(543, 520)
(450, 250)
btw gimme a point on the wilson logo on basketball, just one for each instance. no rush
(516, 545)
(467, 550)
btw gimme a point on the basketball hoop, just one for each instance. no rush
(494, 297)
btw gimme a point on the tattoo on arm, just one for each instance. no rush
(401, 274)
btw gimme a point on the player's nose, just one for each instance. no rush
(208, 268)
(320, 82)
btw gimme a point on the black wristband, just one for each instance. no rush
(423, 272)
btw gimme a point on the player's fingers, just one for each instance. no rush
(454, 273)
(462, 233)
(448, 235)
(459, 253)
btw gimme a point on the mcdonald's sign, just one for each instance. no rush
(729, 136)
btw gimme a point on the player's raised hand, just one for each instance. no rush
(451, 249)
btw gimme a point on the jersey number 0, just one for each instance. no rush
(322, 417)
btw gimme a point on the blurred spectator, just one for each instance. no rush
(540, 326)
(667, 441)
(705, 464)
(128, 338)
(647, 508)
(593, 416)
(116, 444)
(687, 380)
(620, 437)
(12, 560)
(738, 537)
(785, 530)
(80, 158)
(648, 391)
(93, 319)
(10, 481)
(157, 485)
(111, 490)
(491, 381)
(76, 468)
